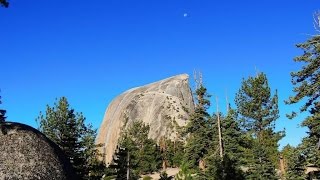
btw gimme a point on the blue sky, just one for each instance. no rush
(92, 51)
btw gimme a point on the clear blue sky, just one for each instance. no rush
(91, 51)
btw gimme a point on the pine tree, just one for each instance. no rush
(136, 154)
(307, 81)
(177, 151)
(94, 168)
(171, 152)
(184, 173)
(233, 138)
(2, 113)
(67, 129)
(259, 111)
(150, 159)
(221, 169)
(294, 163)
(122, 164)
(233, 144)
(306, 84)
(199, 130)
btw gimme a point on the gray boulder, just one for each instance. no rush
(25, 153)
(163, 105)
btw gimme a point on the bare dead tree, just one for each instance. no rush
(219, 129)
(227, 101)
(316, 21)
(197, 76)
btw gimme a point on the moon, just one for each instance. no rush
(185, 14)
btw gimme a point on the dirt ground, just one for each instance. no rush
(170, 172)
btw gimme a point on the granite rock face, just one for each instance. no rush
(163, 105)
(25, 153)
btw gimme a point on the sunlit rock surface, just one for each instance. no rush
(164, 105)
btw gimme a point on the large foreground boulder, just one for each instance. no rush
(163, 105)
(25, 153)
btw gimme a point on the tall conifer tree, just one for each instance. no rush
(199, 131)
(259, 111)
(67, 128)
(136, 153)
(227, 167)
(306, 89)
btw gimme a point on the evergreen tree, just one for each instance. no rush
(93, 168)
(233, 138)
(233, 144)
(122, 163)
(150, 159)
(260, 165)
(222, 169)
(306, 90)
(294, 163)
(307, 81)
(184, 173)
(67, 129)
(259, 111)
(199, 130)
(171, 152)
(136, 154)
(2, 113)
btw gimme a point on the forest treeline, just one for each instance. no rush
(241, 144)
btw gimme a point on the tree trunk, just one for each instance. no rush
(219, 130)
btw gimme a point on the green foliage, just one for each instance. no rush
(233, 139)
(222, 169)
(67, 128)
(171, 152)
(123, 163)
(300, 157)
(4, 3)
(260, 165)
(259, 111)
(2, 113)
(176, 149)
(184, 173)
(147, 178)
(109, 173)
(294, 162)
(233, 143)
(200, 131)
(150, 159)
(306, 81)
(199, 118)
(306, 89)
(136, 153)
(256, 106)
(310, 145)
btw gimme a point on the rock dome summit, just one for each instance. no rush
(163, 105)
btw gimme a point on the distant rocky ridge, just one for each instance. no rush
(25, 153)
(164, 105)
